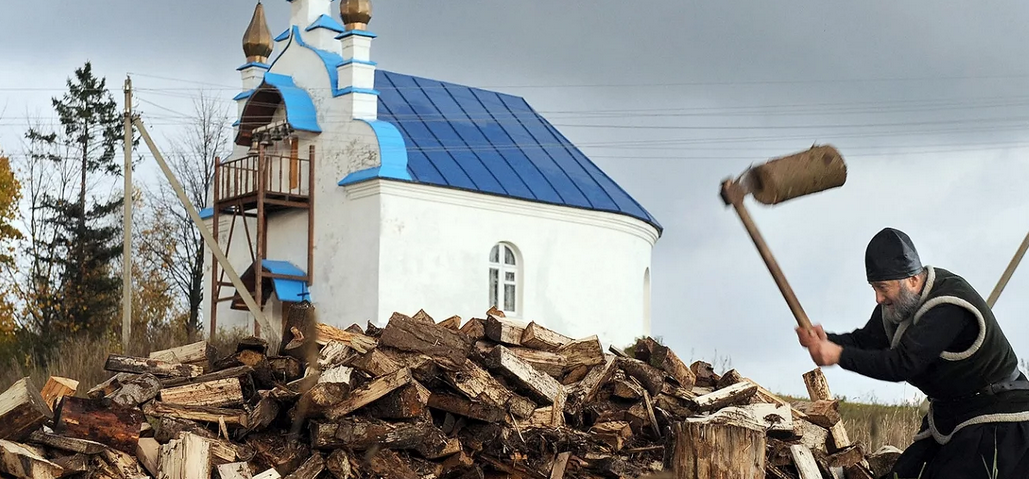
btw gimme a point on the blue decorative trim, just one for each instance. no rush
(351, 89)
(359, 62)
(287, 290)
(330, 59)
(392, 156)
(243, 95)
(356, 33)
(282, 36)
(327, 23)
(263, 66)
(206, 213)
(300, 111)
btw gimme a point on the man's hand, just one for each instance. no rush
(823, 352)
(810, 336)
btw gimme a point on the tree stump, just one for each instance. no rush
(706, 449)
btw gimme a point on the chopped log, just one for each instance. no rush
(269, 474)
(148, 452)
(474, 329)
(375, 363)
(882, 460)
(406, 402)
(846, 457)
(432, 340)
(369, 392)
(805, 462)
(57, 387)
(463, 407)
(812, 436)
(186, 458)
(542, 386)
(22, 462)
(231, 417)
(339, 465)
(614, 433)
(769, 417)
(137, 391)
(234, 470)
(678, 392)
(333, 385)
(109, 386)
(63, 443)
(823, 413)
(129, 364)
(818, 390)
(91, 419)
(537, 337)
(503, 330)
(575, 375)
(220, 393)
(586, 390)
(705, 449)
(333, 354)
(520, 406)
(361, 434)
(200, 353)
(309, 469)
(477, 383)
(705, 374)
(627, 390)
(358, 342)
(560, 463)
(660, 356)
(582, 352)
(550, 363)
(285, 368)
(169, 428)
(263, 413)
(453, 322)
(733, 395)
(730, 377)
(650, 377)
(421, 315)
(388, 464)
(22, 410)
(73, 464)
(422, 367)
(124, 464)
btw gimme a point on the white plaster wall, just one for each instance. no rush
(582, 272)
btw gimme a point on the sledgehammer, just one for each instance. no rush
(780, 179)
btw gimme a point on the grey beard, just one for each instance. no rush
(904, 308)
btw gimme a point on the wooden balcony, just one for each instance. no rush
(279, 181)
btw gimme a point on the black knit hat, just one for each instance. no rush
(891, 255)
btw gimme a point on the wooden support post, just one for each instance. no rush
(215, 226)
(705, 450)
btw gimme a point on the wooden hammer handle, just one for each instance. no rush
(733, 195)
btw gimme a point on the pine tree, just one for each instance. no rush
(86, 242)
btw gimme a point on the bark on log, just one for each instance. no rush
(474, 329)
(231, 417)
(110, 385)
(650, 377)
(22, 410)
(137, 391)
(463, 407)
(57, 387)
(738, 393)
(818, 390)
(406, 402)
(91, 419)
(823, 413)
(22, 462)
(63, 443)
(713, 451)
(432, 340)
(369, 392)
(543, 387)
(200, 353)
(129, 364)
(505, 331)
(537, 337)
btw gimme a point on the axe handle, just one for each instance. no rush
(1008, 272)
(734, 195)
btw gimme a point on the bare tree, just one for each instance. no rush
(206, 138)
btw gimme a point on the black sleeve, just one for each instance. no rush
(871, 336)
(921, 344)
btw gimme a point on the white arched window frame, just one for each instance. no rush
(504, 278)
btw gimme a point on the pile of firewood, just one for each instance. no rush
(420, 399)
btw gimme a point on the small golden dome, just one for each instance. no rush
(355, 13)
(257, 41)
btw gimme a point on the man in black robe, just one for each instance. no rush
(933, 330)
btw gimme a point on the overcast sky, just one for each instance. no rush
(925, 100)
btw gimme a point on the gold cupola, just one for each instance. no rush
(257, 41)
(356, 14)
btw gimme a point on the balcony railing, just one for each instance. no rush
(284, 177)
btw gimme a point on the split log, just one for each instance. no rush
(474, 329)
(768, 417)
(823, 413)
(269, 474)
(660, 356)
(148, 452)
(22, 462)
(57, 387)
(137, 391)
(234, 470)
(22, 410)
(125, 465)
(333, 385)
(846, 457)
(63, 443)
(582, 352)
(812, 436)
(432, 340)
(627, 390)
(818, 390)
(309, 469)
(650, 377)
(421, 315)
(220, 393)
(388, 464)
(733, 395)
(463, 407)
(91, 419)
(264, 413)
(453, 322)
(333, 354)
(504, 331)
(730, 377)
(129, 364)
(364, 395)
(520, 406)
(706, 450)
(858, 471)
(614, 433)
(537, 337)
(109, 386)
(586, 390)
(542, 386)
(560, 463)
(705, 374)
(805, 462)
(284, 369)
(231, 417)
(406, 402)
(882, 460)
(73, 464)
(548, 362)
(375, 363)
(186, 458)
(200, 353)
(476, 383)
(358, 342)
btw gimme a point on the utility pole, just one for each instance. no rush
(126, 275)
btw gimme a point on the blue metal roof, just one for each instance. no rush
(300, 111)
(289, 290)
(326, 22)
(488, 142)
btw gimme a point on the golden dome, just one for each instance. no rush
(355, 13)
(257, 41)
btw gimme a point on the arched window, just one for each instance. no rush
(503, 278)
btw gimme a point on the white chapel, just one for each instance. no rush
(366, 191)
